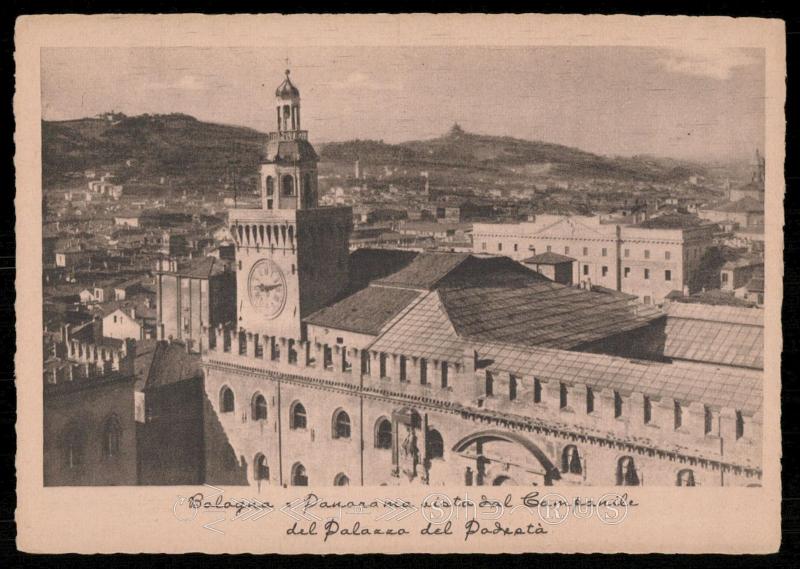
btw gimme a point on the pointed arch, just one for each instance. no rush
(227, 401)
(383, 433)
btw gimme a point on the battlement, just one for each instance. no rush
(288, 135)
(90, 360)
(674, 424)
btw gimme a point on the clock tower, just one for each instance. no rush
(291, 255)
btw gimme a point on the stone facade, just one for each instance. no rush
(482, 438)
(646, 262)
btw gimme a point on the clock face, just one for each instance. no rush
(266, 287)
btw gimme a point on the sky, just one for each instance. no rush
(608, 100)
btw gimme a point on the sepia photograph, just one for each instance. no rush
(430, 266)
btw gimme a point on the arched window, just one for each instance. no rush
(512, 387)
(489, 384)
(678, 415)
(435, 444)
(259, 410)
(341, 425)
(112, 433)
(260, 468)
(226, 400)
(299, 476)
(270, 186)
(571, 460)
(341, 479)
(626, 472)
(297, 416)
(686, 477)
(287, 185)
(383, 433)
(73, 448)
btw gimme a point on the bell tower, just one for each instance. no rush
(289, 172)
(291, 255)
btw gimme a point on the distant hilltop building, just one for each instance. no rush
(112, 117)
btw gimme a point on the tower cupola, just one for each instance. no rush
(287, 105)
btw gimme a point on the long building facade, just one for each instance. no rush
(646, 262)
(448, 368)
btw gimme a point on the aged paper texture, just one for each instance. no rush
(514, 279)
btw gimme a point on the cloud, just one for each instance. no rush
(360, 80)
(183, 83)
(714, 63)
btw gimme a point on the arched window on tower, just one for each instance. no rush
(287, 185)
(435, 444)
(287, 113)
(270, 186)
(571, 460)
(112, 433)
(685, 477)
(259, 408)
(226, 400)
(383, 434)
(341, 425)
(341, 479)
(299, 476)
(626, 472)
(297, 416)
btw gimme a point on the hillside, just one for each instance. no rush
(147, 147)
(459, 149)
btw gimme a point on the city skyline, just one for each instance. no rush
(680, 104)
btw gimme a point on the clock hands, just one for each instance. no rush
(267, 288)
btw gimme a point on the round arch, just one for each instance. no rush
(510, 437)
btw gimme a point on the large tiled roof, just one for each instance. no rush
(721, 387)
(448, 320)
(725, 335)
(671, 221)
(730, 314)
(425, 270)
(366, 311)
(424, 332)
(367, 264)
(513, 304)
